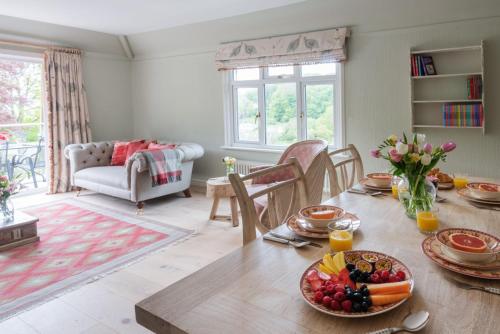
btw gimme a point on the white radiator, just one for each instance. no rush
(243, 166)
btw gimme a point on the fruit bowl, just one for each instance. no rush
(453, 243)
(486, 191)
(380, 180)
(320, 216)
(327, 286)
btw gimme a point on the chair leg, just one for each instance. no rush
(187, 192)
(140, 208)
(33, 174)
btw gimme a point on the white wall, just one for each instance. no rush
(177, 92)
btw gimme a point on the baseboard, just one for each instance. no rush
(199, 184)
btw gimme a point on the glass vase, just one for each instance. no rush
(416, 193)
(6, 210)
(229, 170)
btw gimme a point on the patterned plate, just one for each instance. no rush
(308, 294)
(438, 249)
(296, 225)
(365, 183)
(465, 193)
(445, 185)
(486, 274)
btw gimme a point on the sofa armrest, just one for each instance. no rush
(87, 155)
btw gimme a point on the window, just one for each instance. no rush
(275, 106)
(21, 118)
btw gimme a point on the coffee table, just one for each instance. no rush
(19, 231)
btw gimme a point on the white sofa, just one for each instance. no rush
(90, 169)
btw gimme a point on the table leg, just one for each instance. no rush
(215, 205)
(234, 210)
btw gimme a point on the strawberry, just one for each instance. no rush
(312, 275)
(315, 285)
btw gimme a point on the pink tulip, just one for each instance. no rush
(375, 153)
(395, 156)
(428, 148)
(449, 146)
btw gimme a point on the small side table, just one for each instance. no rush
(20, 231)
(220, 187)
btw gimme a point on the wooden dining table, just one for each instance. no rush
(255, 289)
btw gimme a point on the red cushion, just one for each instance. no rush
(154, 146)
(134, 146)
(119, 153)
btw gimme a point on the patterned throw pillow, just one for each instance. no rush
(119, 153)
(135, 146)
(154, 146)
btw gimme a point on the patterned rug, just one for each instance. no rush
(79, 242)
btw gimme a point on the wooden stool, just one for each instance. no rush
(220, 187)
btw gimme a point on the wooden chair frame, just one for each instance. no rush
(276, 203)
(338, 175)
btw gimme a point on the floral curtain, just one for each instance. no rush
(307, 48)
(68, 115)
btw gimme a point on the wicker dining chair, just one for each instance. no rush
(345, 168)
(284, 198)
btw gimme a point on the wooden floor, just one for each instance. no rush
(107, 305)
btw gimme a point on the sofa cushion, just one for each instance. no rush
(119, 153)
(113, 176)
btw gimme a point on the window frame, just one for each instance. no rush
(230, 87)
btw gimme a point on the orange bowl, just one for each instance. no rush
(380, 180)
(484, 190)
(321, 215)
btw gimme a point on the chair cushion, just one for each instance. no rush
(113, 176)
(260, 202)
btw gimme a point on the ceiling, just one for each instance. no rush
(125, 17)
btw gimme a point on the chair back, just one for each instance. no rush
(344, 168)
(284, 198)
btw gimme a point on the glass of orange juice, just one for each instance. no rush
(460, 181)
(427, 220)
(394, 186)
(340, 233)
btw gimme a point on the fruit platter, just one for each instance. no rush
(355, 284)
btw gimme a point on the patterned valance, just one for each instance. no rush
(307, 48)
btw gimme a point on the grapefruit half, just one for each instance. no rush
(467, 243)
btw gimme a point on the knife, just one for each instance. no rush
(290, 238)
(468, 286)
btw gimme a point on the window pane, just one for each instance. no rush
(274, 71)
(318, 69)
(281, 113)
(246, 74)
(248, 108)
(319, 108)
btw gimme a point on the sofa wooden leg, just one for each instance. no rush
(78, 190)
(187, 192)
(140, 207)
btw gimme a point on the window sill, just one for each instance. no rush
(253, 149)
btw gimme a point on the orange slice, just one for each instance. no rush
(467, 243)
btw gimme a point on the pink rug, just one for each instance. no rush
(78, 242)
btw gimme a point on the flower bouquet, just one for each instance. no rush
(229, 162)
(7, 189)
(412, 160)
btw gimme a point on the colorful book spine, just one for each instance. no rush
(474, 87)
(463, 115)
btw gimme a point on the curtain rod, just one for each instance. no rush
(37, 46)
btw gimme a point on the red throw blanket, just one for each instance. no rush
(164, 165)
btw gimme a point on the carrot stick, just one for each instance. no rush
(389, 288)
(388, 299)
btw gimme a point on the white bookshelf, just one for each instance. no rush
(429, 93)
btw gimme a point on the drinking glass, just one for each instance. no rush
(340, 234)
(394, 186)
(460, 181)
(427, 220)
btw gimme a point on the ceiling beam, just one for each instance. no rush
(126, 46)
